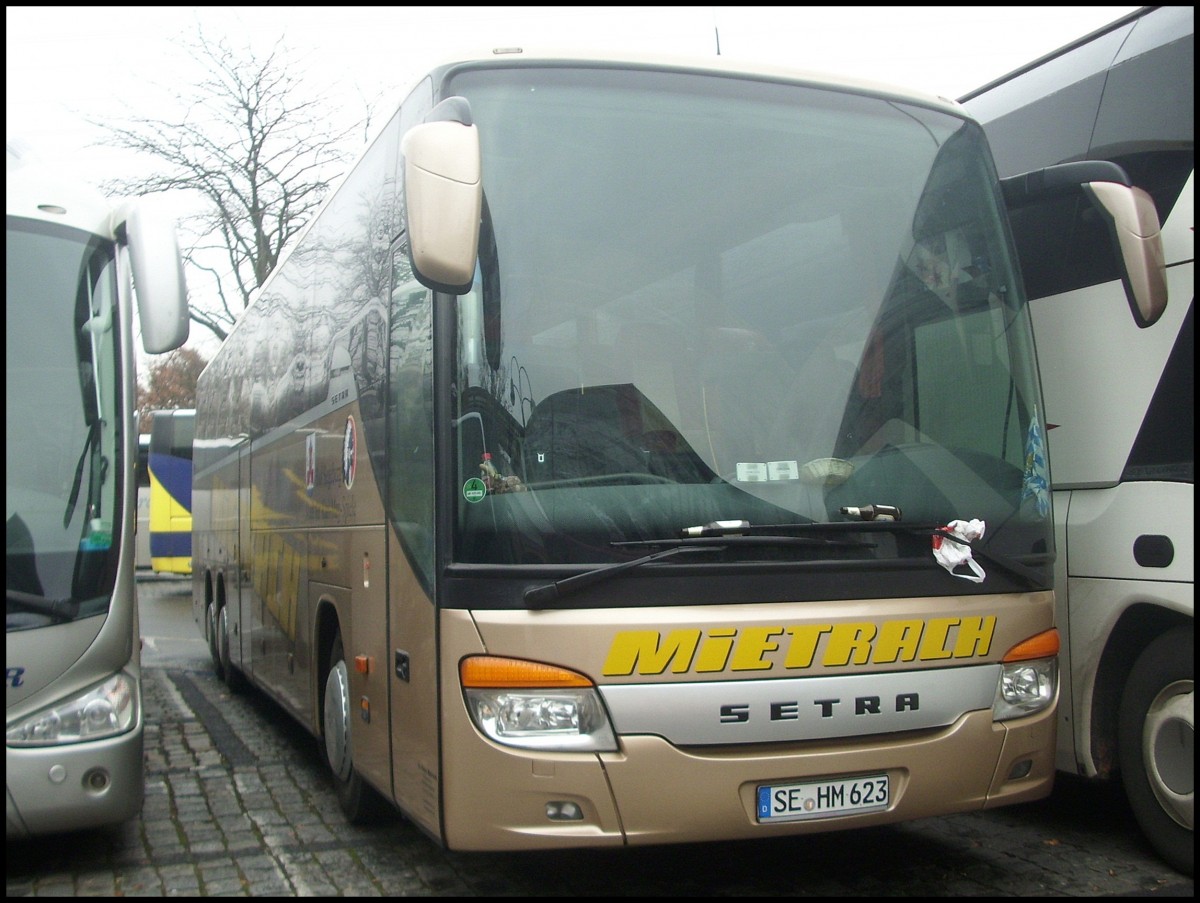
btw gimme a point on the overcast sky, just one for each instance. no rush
(66, 65)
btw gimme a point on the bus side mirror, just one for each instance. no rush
(443, 197)
(157, 278)
(1133, 225)
(1127, 210)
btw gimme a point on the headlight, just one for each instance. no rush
(1025, 688)
(1028, 677)
(105, 710)
(535, 706)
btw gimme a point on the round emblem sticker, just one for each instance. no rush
(349, 453)
(474, 490)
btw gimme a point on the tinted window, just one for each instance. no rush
(1063, 245)
(1166, 445)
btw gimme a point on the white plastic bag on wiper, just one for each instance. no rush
(952, 555)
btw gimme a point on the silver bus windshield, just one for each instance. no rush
(61, 386)
(731, 299)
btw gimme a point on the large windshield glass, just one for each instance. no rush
(61, 387)
(703, 298)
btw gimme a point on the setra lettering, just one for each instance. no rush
(789, 710)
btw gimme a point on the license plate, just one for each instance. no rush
(822, 799)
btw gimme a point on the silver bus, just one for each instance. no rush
(73, 714)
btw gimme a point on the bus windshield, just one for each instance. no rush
(61, 475)
(733, 300)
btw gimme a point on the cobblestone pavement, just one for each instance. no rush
(237, 803)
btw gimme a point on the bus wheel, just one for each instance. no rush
(1155, 742)
(210, 615)
(229, 672)
(359, 802)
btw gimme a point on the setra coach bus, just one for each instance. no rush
(645, 451)
(73, 712)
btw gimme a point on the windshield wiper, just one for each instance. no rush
(875, 518)
(743, 529)
(78, 481)
(543, 596)
(61, 610)
(719, 535)
(882, 513)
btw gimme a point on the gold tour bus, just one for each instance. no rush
(644, 451)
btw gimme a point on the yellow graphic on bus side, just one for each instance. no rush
(798, 647)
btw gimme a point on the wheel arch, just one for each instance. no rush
(326, 626)
(1138, 626)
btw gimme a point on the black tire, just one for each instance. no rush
(1155, 733)
(210, 616)
(360, 803)
(228, 671)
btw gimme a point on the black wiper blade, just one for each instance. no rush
(60, 609)
(736, 528)
(878, 518)
(718, 528)
(91, 443)
(741, 539)
(544, 596)
(720, 535)
(868, 513)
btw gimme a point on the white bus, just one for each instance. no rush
(641, 451)
(73, 714)
(1119, 383)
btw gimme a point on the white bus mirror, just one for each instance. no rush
(1131, 217)
(158, 279)
(443, 191)
(1135, 229)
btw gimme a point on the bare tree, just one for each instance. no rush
(260, 154)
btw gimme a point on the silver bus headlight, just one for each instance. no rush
(532, 705)
(105, 710)
(1028, 677)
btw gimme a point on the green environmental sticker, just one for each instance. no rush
(98, 536)
(474, 490)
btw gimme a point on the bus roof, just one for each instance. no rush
(715, 65)
(34, 191)
(1101, 97)
(1061, 51)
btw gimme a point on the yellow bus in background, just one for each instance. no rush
(170, 472)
